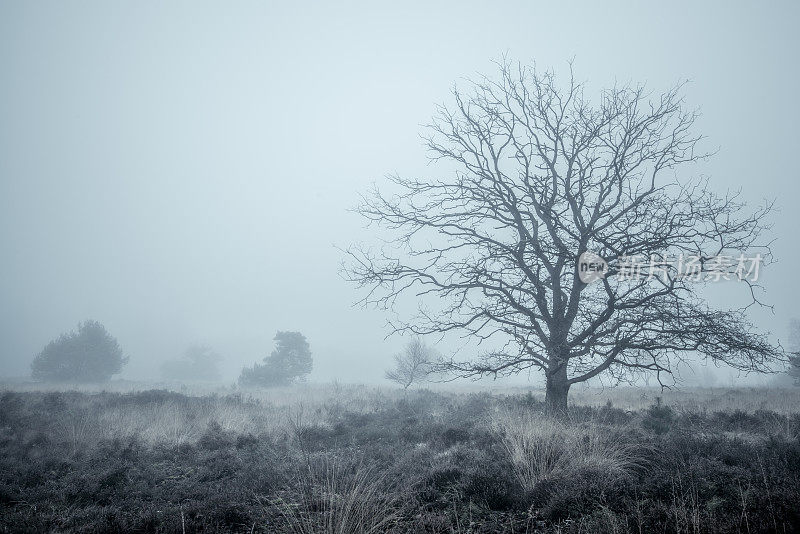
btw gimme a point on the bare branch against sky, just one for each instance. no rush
(544, 175)
(183, 175)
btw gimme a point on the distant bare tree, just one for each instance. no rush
(794, 348)
(413, 365)
(537, 175)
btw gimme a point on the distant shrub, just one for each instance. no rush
(289, 362)
(530, 401)
(794, 367)
(89, 354)
(199, 363)
(451, 436)
(215, 437)
(492, 486)
(794, 347)
(658, 419)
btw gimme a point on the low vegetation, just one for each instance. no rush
(354, 459)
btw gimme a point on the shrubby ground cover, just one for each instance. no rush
(354, 459)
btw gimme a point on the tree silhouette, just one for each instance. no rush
(289, 362)
(536, 174)
(89, 354)
(413, 365)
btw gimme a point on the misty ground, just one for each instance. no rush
(339, 458)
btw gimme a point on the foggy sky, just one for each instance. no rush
(181, 171)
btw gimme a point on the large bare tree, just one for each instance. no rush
(534, 174)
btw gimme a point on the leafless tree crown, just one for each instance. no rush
(535, 173)
(413, 365)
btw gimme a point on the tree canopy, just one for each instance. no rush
(534, 174)
(89, 354)
(290, 362)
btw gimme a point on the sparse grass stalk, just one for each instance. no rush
(334, 499)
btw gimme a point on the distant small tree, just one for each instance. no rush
(289, 362)
(199, 362)
(413, 365)
(89, 354)
(794, 350)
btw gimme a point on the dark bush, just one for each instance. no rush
(658, 419)
(289, 362)
(89, 354)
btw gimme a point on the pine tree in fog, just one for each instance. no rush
(290, 362)
(89, 354)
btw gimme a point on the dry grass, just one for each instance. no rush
(170, 421)
(273, 411)
(751, 399)
(339, 500)
(359, 459)
(541, 448)
(359, 398)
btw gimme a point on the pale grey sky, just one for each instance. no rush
(180, 171)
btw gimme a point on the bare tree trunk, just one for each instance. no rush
(557, 390)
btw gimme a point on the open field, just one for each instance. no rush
(342, 458)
